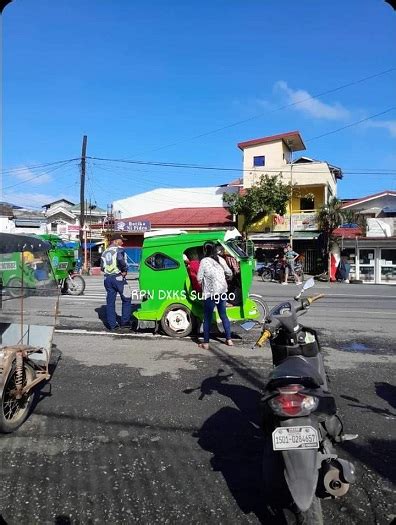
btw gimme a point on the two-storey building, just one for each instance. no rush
(313, 183)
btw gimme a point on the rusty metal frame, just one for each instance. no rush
(20, 354)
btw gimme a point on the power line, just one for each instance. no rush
(36, 166)
(352, 124)
(296, 167)
(285, 106)
(65, 163)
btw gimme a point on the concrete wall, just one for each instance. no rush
(308, 174)
(272, 151)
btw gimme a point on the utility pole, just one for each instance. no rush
(82, 194)
(291, 197)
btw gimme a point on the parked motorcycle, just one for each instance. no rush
(73, 284)
(299, 418)
(274, 271)
(63, 261)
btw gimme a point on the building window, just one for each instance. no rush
(307, 204)
(259, 161)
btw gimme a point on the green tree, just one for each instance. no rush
(270, 195)
(330, 217)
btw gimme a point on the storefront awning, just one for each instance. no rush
(263, 237)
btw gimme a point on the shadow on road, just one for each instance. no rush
(378, 455)
(101, 311)
(234, 438)
(356, 403)
(387, 392)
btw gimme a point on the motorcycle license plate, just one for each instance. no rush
(289, 438)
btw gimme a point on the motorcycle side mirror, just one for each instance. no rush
(308, 284)
(248, 325)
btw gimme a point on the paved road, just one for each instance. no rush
(153, 430)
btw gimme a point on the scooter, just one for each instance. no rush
(274, 271)
(299, 418)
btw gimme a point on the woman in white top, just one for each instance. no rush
(212, 277)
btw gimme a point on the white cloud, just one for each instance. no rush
(31, 200)
(24, 174)
(311, 106)
(389, 125)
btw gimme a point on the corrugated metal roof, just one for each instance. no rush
(184, 217)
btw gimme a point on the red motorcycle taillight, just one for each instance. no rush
(291, 402)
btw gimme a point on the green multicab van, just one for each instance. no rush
(166, 289)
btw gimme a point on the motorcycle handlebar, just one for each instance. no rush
(263, 338)
(314, 298)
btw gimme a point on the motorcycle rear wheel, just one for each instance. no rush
(266, 276)
(75, 285)
(312, 516)
(278, 495)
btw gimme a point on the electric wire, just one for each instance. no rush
(297, 168)
(35, 166)
(352, 124)
(54, 168)
(279, 108)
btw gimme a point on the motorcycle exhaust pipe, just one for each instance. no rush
(333, 482)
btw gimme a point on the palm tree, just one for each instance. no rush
(330, 216)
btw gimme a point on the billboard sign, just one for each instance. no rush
(300, 222)
(132, 226)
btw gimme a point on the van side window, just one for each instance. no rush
(160, 261)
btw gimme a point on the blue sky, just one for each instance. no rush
(136, 77)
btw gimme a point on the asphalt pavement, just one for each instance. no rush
(147, 429)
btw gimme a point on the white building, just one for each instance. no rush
(163, 199)
(372, 254)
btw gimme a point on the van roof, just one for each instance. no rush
(182, 238)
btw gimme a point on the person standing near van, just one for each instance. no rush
(212, 276)
(113, 264)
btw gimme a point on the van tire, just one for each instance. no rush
(177, 321)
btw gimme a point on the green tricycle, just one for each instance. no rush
(169, 299)
(63, 260)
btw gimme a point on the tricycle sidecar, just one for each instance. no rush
(169, 298)
(28, 306)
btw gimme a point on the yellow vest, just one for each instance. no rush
(109, 258)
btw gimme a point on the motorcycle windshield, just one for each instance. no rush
(29, 295)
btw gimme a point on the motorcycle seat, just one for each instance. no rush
(294, 369)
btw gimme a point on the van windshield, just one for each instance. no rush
(237, 246)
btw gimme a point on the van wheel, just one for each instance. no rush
(261, 305)
(177, 321)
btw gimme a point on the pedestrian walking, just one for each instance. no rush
(113, 264)
(290, 257)
(212, 276)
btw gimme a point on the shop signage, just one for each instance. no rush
(300, 222)
(133, 226)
